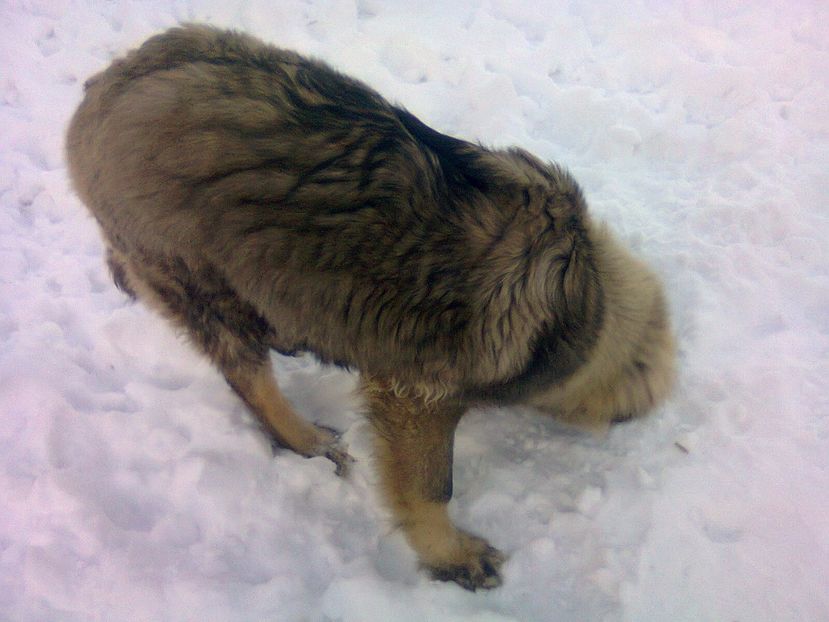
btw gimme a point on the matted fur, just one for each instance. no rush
(262, 200)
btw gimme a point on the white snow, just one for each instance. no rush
(134, 486)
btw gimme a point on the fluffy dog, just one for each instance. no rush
(261, 200)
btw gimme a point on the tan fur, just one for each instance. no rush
(409, 428)
(264, 399)
(632, 366)
(261, 200)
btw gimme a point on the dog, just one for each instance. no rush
(260, 200)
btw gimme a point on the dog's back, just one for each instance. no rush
(329, 211)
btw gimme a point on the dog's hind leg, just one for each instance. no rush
(234, 336)
(414, 440)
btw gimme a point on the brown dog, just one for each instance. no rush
(262, 200)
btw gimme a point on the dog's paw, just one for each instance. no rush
(334, 449)
(475, 566)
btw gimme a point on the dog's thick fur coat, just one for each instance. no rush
(262, 200)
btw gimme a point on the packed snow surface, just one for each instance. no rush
(135, 486)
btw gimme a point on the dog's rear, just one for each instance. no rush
(162, 137)
(261, 200)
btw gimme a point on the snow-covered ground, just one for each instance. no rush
(134, 486)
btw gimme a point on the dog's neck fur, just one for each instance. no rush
(540, 316)
(528, 254)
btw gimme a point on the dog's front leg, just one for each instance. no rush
(414, 439)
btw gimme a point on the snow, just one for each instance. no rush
(134, 486)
